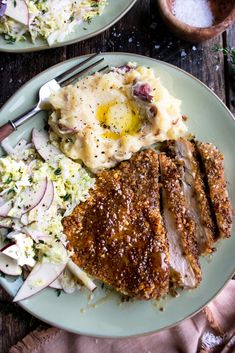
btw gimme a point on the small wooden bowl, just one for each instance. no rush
(224, 15)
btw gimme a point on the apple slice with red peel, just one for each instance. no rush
(18, 11)
(43, 146)
(5, 208)
(9, 266)
(43, 205)
(31, 199)
(81, 275)
(41, 276)
(48, 197)
(11, 250)
(6, 246)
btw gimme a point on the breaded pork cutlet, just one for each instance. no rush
(213, 163)
(180, 227)
(184, 154)
(118, 234)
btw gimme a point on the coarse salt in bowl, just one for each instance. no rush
(197, 20)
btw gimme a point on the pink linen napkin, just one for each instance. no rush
(210, 331)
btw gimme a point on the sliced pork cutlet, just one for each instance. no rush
(180, 227)
(193, 187)
(118, 234)
(213, 164)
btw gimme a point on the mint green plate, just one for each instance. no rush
(103, 315)
(113, 12)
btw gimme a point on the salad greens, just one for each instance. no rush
(48, 19)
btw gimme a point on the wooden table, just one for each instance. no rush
(142, 32)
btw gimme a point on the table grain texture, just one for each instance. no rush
(141, 31)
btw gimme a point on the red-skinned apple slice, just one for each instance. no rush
(31, 199)
(41, 276)
(10, 250)
(43, 205)
(18, 10)
(9, 266)
(43, 146)
(6, 246)
(48, 197)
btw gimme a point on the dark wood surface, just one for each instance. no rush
(140, 31)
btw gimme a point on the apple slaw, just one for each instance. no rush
(49, 19)
(38, 186)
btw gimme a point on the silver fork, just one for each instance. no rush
(45, 91)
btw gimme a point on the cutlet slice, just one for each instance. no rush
(118, 234)
(213, 163)
(193, 187)
(180, 226)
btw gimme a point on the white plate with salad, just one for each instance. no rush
(31, 25)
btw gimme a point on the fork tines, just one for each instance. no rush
(71, 80)
(62, 78)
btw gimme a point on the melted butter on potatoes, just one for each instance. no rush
(119, 118)
(105, 118)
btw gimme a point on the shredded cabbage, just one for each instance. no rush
(52, 20)
(41, 236)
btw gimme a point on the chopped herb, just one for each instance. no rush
(67, 197)
(230, 54)
(10, 191)
(10, 40)
(8, 181)
(58, 171)
(58, 291)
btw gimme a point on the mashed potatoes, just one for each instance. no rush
(105, 118)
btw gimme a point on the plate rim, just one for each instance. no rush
(72, 41)
(61, 326)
